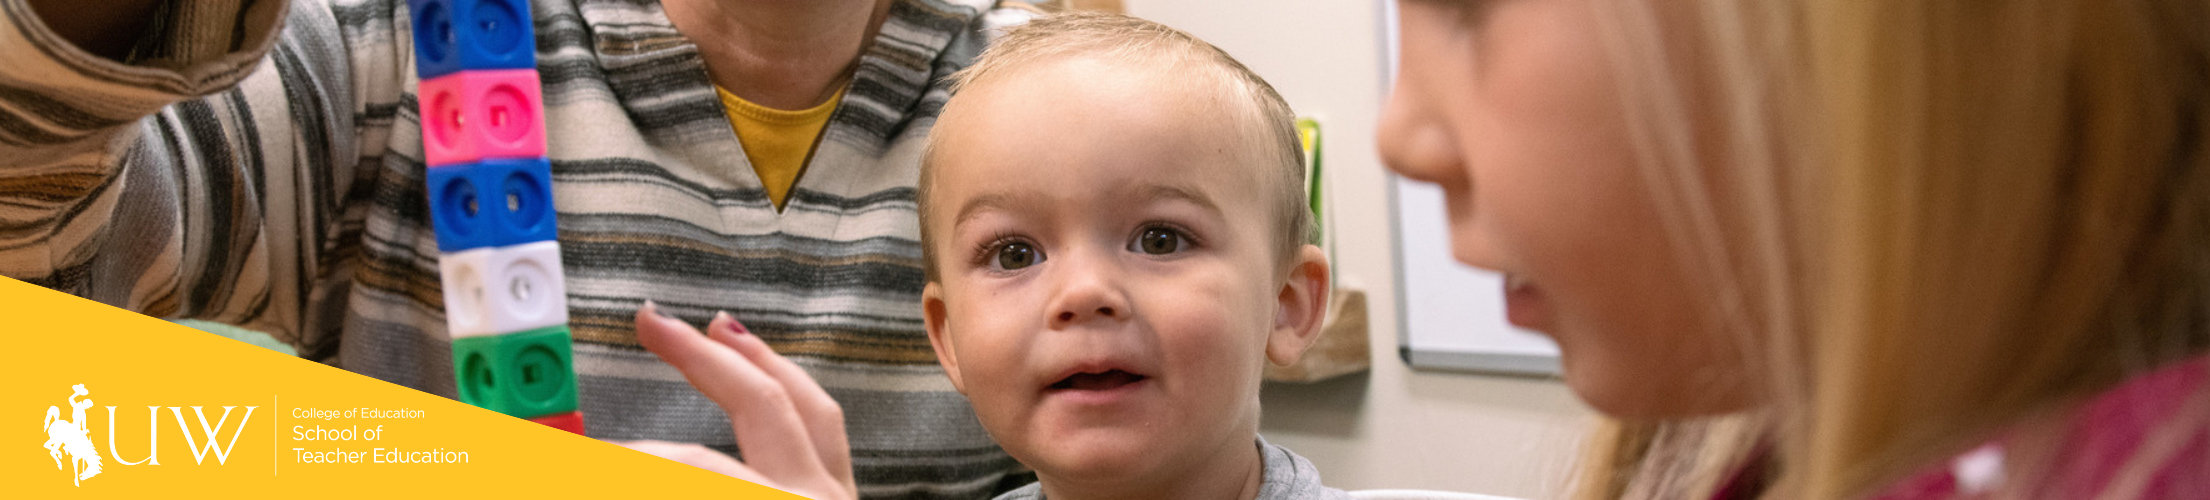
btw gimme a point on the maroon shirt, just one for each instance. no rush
(2161, 416)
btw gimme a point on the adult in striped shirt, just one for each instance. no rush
(259, 163)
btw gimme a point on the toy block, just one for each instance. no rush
(492, 203)
(495, 290)
(570, 421)
(478, 114)
(459, 35)
(526, 374)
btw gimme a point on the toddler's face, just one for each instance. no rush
(1108, 286)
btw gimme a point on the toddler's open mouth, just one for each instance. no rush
(1107, 380)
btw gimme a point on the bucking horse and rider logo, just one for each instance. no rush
(69, 438)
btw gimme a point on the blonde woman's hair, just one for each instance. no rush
(1927, 222)
(1137, 43)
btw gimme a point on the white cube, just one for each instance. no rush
(491, 291)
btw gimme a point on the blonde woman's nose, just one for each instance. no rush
(1415, 143)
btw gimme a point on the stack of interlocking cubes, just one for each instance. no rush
(490, 194)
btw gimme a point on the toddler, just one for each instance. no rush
(1115, 230)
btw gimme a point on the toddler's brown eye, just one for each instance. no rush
(1016, 255)
(1159, 241)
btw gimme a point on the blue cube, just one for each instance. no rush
(492, 203)
(455, 35)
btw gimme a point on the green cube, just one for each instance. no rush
(525, 374)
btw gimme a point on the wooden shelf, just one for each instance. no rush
(1343, 347)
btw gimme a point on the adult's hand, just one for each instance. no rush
(791, 432)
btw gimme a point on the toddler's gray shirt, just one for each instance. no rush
(1286, 477)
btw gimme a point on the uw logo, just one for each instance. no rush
(69, 442)
(71, 438)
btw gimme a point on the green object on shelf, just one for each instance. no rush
(1308, 134)
(242, 335)
(524, 374)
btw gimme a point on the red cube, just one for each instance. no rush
(570, 421)
(474, 115)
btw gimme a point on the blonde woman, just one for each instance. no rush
(1841, 248)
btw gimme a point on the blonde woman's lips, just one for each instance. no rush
(1524, 305)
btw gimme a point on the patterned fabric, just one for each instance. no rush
(269, 174)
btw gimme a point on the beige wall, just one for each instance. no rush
(1392, 427)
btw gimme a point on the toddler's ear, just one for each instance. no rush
(1302, 304)
(933, 316)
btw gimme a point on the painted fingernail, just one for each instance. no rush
(731, 324)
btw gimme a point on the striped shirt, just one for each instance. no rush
(260, 164)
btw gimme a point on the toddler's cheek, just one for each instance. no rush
(1004, 418)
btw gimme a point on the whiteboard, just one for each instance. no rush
(1450, 316)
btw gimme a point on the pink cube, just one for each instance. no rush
(477, 114)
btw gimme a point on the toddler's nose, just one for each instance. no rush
(1086, 297)
(1069, 316)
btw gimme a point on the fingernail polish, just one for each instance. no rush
(732, 325)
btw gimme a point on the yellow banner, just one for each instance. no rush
(100, 402)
